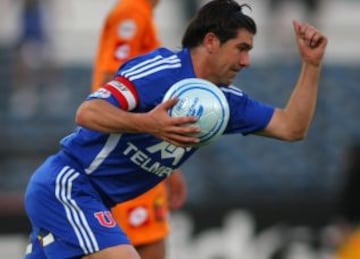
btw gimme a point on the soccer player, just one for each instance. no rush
(126, 142)
(129, 30)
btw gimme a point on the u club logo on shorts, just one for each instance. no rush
(105, 219)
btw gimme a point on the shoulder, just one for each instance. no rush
(232, 91)
(153, 63)
(236, 97)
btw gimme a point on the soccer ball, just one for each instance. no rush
(202, 99)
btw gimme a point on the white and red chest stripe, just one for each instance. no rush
(124, 91)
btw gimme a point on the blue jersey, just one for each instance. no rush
(122, 166)
(69, 196)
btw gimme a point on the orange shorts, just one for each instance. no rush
(145, 218)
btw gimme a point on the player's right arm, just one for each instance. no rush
(102, 116)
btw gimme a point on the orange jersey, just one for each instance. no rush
(129, 31)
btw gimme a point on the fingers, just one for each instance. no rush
(181, 140)
(175, 130)
(315, 40)
(169, 103)
(183, 136)
(296, 26)
(183, 120)
(186, 130)
(311, 36)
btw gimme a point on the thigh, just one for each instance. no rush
(116, 252)
(154, 250)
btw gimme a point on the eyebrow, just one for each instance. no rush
(244, 45)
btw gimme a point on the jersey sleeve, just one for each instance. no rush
(120, 92)
(246, 115)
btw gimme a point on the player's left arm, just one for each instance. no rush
(293, 122)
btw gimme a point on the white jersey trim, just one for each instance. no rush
(151, 66)
(109, 146)
(156, 69)
(141, 64)
(232, 89)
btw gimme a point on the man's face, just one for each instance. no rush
(230, 57)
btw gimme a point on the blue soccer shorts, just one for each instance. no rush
(68, 218)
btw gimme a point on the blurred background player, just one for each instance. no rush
(37, 78)
(129, 30)
(30, 59)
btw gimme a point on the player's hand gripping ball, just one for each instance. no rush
(202, 99)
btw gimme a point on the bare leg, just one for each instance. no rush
(154, 250)
(115, 252)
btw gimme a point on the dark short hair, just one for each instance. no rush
(222, 17)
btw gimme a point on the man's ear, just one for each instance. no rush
(211, 42)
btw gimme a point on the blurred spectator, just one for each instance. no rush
(33, 67)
